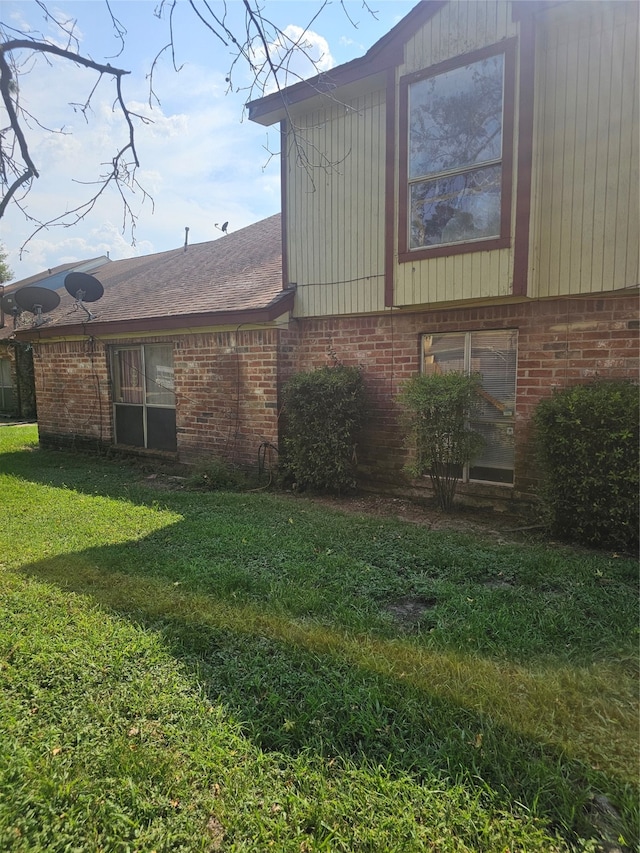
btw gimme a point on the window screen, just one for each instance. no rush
(7, 397)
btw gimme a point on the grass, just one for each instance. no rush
(222, 671)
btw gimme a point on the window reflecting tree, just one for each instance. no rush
(455, 154)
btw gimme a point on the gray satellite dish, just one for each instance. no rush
(87, 285)
(30, 298)
(84, 288)
(38, 300)
(10, 306)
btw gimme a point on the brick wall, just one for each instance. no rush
(226, 384)
(227, 394)
(73, 393)
(560, 342)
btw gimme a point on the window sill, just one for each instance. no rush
(450, 249)
(145, 452)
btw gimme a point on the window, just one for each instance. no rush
(457, 157)
(7, 397)
(492, 354)
(143, 396)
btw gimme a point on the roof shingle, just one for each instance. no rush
(239, 272)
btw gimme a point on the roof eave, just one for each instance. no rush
(386, 53)
(265, 314)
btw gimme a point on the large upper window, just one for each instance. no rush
(143, 396)
(457, 157)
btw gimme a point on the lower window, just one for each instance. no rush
(492, 354)
(143, 396)
(7, 397)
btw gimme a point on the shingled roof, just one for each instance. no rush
(51, 278)
(236, 278)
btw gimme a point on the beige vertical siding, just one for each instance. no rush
(457, 29)
(585, 189)
(335, 207)
(477, 275)
(584, 224)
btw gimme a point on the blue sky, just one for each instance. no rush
(202, 161)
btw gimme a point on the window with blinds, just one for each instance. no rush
(143, 396)
(492, 354)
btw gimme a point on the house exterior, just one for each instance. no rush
(462, 197)
(182, 356)
(17, 387)
(465, 196)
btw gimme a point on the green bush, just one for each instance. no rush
(587, 440)
(437, 410)
(324, 410)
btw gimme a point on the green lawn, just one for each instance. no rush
(185, 671)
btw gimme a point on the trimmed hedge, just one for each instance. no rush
(587, 441)
(324, 411)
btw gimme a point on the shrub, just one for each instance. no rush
(437, 410)
(587, 441)
(324, 411)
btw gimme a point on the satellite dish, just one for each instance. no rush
(38, 300)
(10, 306)
(82, 283)
(84, 288)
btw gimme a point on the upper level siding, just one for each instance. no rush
(458, 28)
(585, 193)
(335, 207)
(583, 228)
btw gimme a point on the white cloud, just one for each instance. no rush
(198, 162)
(295, 54)
(201, 161)
(347, 42)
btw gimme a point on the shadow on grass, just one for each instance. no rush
(300, 685)
(522, 604)
(111, 477)
(320, 678)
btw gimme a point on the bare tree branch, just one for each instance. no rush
(45, 47)
(259, 45)
(119, 30)
(6, 79)
(18, 166)
(13, 188)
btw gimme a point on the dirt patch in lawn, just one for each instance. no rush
(499, 526)
(409, 610)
